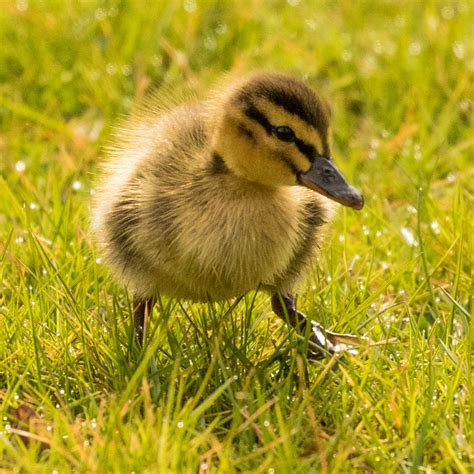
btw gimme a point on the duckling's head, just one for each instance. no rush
(274, 130)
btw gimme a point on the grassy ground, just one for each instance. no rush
(236, 393)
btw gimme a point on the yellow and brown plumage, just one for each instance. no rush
(211, 200)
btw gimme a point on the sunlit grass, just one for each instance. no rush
(227, 387)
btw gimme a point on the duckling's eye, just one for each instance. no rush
(284, 133)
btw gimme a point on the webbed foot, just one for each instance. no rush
(322, 342)
(333, 342)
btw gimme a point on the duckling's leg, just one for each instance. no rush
(323, 341)
(142, 308)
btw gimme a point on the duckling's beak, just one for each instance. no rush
(324, 178)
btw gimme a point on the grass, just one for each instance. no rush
(226, 387)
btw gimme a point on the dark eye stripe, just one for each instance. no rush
(291, 104)
(306, 149)
(290, 165)
(243, 130)
(253, 113)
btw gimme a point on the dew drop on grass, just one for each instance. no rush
(266, 423)
(180, 424)
(346, 55)
(460, 440)
(19, 240)
(20, 166)
(447, 12)
(76, 185)
(210, 43)
(374, 143)
(100, 14)
(126, 69)
(414, 48)
(271, 470)
(435, 227)
(221, 29)
(417, 152)
(111, 69)
(189, 6)
(458, 50)
(378, 47)
(204, 466)
(22, 5)
(408, 236)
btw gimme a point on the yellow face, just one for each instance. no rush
(269, 142)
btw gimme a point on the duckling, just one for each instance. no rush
(211, 200)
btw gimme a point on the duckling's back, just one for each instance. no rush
(150, 158)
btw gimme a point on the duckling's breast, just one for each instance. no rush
(217, 237)
(232, 239)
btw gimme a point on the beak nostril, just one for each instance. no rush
(328, 175)
(324, 178)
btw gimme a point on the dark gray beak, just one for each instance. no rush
(324, 178)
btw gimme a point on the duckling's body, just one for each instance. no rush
(193, 205)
